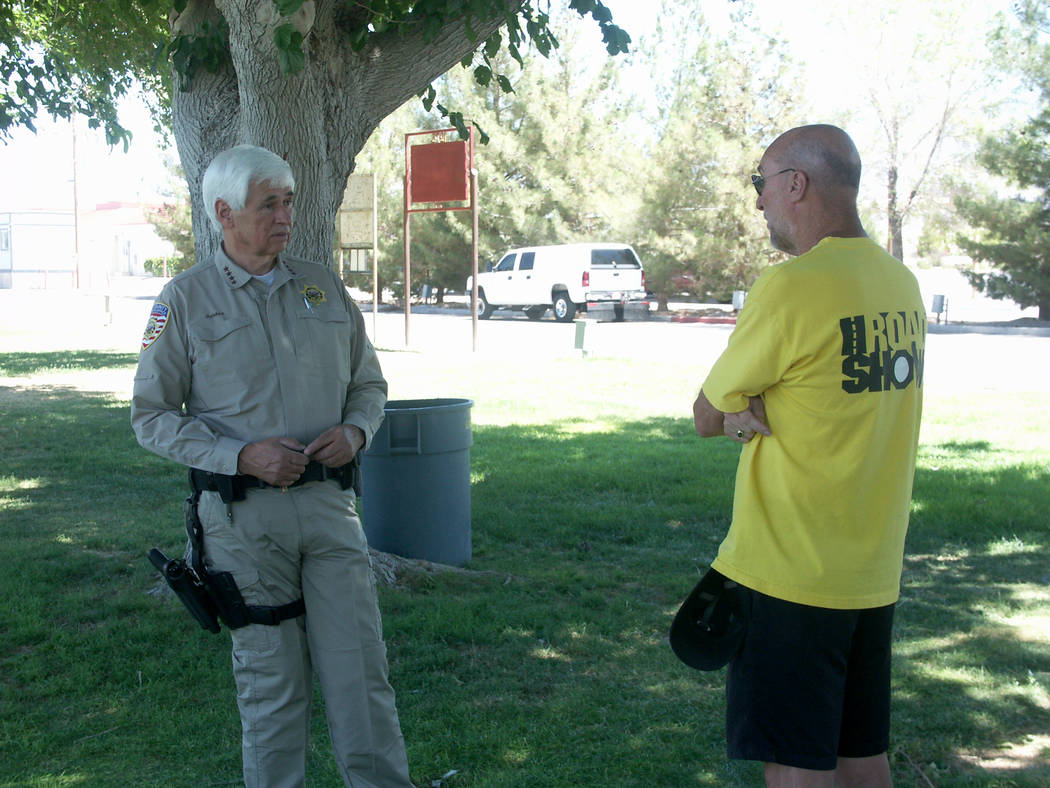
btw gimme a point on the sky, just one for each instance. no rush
(37, 170)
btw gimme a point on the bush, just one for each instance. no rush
(166, 266)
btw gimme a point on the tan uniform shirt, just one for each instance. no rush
(226, 361)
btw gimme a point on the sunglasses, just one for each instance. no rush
(759, 181)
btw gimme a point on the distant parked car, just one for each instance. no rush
(684, 283)
(604, 280)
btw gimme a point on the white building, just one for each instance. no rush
(39, 248)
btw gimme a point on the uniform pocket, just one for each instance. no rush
(322, 341)
(225, 352)
(216, 340)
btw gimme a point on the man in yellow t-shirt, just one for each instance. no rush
(822, 384)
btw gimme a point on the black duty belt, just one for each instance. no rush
(233, 488)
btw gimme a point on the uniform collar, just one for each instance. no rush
(235, 276)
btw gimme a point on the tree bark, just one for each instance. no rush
(318, 119)
(894, 219)
(894, 215)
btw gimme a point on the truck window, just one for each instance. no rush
(507, 263)
(614, 258)
(527, 259)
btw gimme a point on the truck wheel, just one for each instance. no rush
(485, 309)
(564, 308)
(535, 312)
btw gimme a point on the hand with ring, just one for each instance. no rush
(743, 425)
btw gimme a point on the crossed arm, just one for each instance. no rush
(741, 426)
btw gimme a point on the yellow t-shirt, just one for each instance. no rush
(834, 342)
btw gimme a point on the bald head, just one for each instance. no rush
(826, 153)
(815, 195)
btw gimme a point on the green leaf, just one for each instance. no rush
(483, 75)
(428, 97)
(288, 7)
(492, 46)
(358, 39)
(616, 40)
(514, 53)
(289, 43)
(456, 119)
(504, 83)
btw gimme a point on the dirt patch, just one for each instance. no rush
(391, 569)
(1032, 753)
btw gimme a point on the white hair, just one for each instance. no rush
(233, 171)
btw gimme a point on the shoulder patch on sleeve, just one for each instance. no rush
(158, 320)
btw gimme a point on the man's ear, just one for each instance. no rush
(799, 185)
(224, 212)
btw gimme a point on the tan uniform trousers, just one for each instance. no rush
(307, 542)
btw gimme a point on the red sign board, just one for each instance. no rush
(439, 172)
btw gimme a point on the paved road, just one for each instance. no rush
(959, 358)
(976, 358)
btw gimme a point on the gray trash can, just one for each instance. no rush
(415, 481)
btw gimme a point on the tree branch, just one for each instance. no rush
(399, 66)
(946, 115)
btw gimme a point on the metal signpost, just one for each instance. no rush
(440, 176)
(357, 231)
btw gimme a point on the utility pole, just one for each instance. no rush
(76, 208)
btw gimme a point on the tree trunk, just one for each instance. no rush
(318, 119)
(204, 119)
(894, 220)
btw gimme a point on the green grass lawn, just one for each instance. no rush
(594, 509)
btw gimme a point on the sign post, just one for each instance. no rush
(440, 176)
(358, 232)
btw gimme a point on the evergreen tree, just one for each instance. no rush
(553, 169)
(1013, 232)
(173, 222)
(724, 101)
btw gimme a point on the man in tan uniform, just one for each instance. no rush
(256, 371)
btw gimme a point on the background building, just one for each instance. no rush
(39, 248)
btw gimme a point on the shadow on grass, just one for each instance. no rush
(964, 448)
(25, 364)
(551, 668)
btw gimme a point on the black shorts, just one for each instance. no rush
(810, 684)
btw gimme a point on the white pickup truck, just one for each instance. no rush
(604, 280)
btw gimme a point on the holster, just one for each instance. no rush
(188, 588)
(213, 596)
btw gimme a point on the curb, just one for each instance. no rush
(722, 321)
